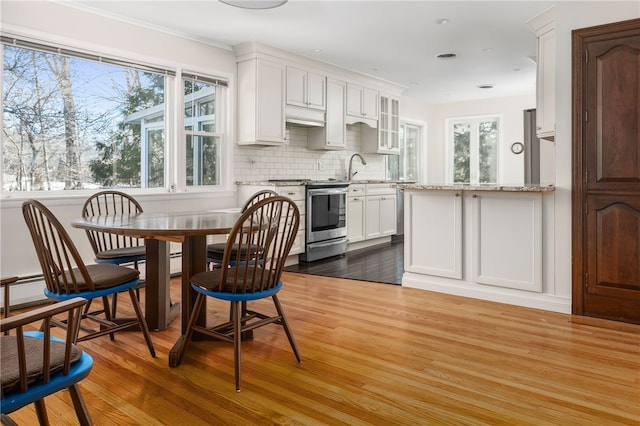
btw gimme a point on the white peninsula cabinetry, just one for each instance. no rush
(481, 243)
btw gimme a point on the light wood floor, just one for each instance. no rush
(373, 354)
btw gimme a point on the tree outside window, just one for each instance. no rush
(474, 153)
(65, 123)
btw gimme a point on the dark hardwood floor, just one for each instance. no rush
(382, 263)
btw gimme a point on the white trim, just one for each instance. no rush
(547, 302)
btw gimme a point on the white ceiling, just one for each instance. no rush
(394, 40)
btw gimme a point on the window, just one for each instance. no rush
(473, 147)
(405, 166)
(201, 124)
(73, 121)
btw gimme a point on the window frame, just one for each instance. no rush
(174, 165)
(421, 150)
(473, 153)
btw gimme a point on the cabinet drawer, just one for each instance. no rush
(296, 193)
(357, 190)
(380, 189)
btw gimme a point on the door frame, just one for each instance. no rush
(579, 39)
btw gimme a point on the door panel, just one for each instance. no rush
(613, 237)
(614, 109)
(606, 171)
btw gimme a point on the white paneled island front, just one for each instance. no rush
(488, 242)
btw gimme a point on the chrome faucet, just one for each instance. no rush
(351, 175)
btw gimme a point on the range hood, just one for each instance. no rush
(306, 117)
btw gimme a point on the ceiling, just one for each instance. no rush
(394, 40)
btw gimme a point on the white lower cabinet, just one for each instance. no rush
(381, 216)
(371, 211)
(482, 237)
(355, 213)
(296, 193)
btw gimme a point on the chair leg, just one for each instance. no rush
(41, 412)
(285, 325)
(79, 406)
(185, 339)
(114, 305)
(108, 313)
(142, 321)
(5, 420)
(237, 340)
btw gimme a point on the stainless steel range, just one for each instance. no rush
(326, 227)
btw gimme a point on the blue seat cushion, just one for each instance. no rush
(236, 288)
(12, 398)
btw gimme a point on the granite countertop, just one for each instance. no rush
(501, 188)
(293, 182)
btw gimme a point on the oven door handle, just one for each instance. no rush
(326, 243)
(326, 191)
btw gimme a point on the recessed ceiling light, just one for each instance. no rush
(254, 4)
(316, 50)
(446, 55)
(485, 86)
(442, 21)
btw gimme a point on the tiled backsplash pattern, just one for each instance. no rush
(295, 161)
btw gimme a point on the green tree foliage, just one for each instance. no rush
(118, 161)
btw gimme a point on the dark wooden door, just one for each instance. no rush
(606, 171)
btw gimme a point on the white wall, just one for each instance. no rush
(295, 161)
(510, 109)
(571, 16)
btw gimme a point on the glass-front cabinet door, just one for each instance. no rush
(389, 125)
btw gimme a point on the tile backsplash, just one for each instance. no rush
(295, 161)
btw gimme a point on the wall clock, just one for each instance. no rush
(517, 148)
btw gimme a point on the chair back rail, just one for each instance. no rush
(61, 263)
(16, 324)
(109, 203)
(259, 244)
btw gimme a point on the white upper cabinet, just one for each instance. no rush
(386, 138)
(306, 89)
(544, 27)
(389, 125)
(332, 135)
(261, 101)
(362, 102)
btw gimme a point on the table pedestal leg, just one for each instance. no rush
(159, 312)
(194, 260)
